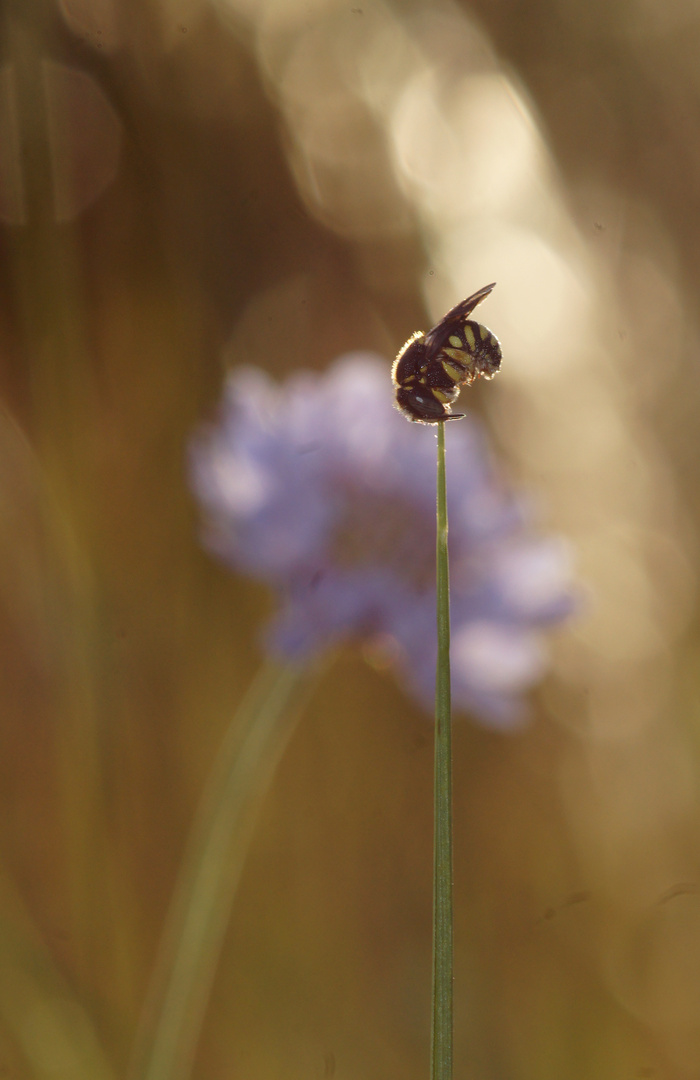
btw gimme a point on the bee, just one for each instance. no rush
(430, 368)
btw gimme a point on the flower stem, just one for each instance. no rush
(442, 1024)
(210, 873)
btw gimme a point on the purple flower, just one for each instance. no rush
(322, 489)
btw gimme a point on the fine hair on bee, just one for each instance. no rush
(430, 368)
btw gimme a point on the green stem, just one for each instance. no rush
(442, 1025)
(210, 873)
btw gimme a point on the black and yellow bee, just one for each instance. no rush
(430, 368)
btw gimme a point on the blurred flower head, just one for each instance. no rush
(320, 488)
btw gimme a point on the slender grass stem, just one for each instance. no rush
(211, 871)
(442, 1021)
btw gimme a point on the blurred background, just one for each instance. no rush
(186, 185)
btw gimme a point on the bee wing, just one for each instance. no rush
(455, 318)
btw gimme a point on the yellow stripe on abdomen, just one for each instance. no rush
(453, 372)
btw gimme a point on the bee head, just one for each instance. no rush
(422, 407)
